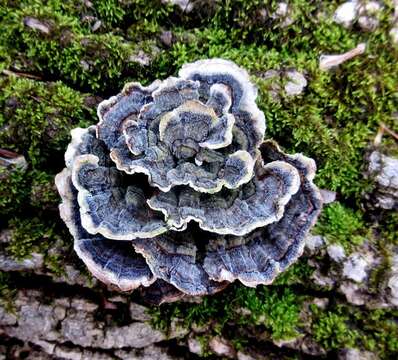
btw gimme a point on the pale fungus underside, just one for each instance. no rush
(174, 190)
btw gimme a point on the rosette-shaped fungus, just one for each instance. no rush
(174, 189)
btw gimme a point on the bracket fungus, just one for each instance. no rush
(176, 192)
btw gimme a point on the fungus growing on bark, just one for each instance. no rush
(175, 190)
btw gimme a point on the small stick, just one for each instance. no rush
(21, 74)
(328, 61)
(384, 129)
(8, 154)
(388, 130)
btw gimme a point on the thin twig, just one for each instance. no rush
(388, 130)
(21, 74)
(384, 129)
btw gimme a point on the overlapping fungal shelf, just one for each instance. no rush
(175, 190)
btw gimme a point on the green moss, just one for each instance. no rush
(341, 225)
(162, 316)
(27, 191)
(14, 191)
(71, 50)
(380, 331)
(39, 234)
(31, 235)
(379, 274)
(346, 326)
(298, 273)
(148, 17)
(68, 50)
(43, 194)
(7, 292)
(277, 310)
(111, 12)
(37, 118)
(204, 340)
(332, 331)
(388, 228)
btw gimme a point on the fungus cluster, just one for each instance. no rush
(175, 191)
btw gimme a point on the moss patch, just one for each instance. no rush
(276, 310)
(342, 225)
(345, 326)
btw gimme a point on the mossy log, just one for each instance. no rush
(60, 59)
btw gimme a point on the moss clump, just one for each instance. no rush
(111, 12)
(27, 192)
(37, 118)
(342, 225)
(14, 191)
(30, 235)
(82, 45)
(67, 49)
(39, 235)
(43, 194)
(388, 228)
(380, 331)
(276, 310)
(204, 340)
(7, 292)
(345, 326)
(298, 273)
(332, 331)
